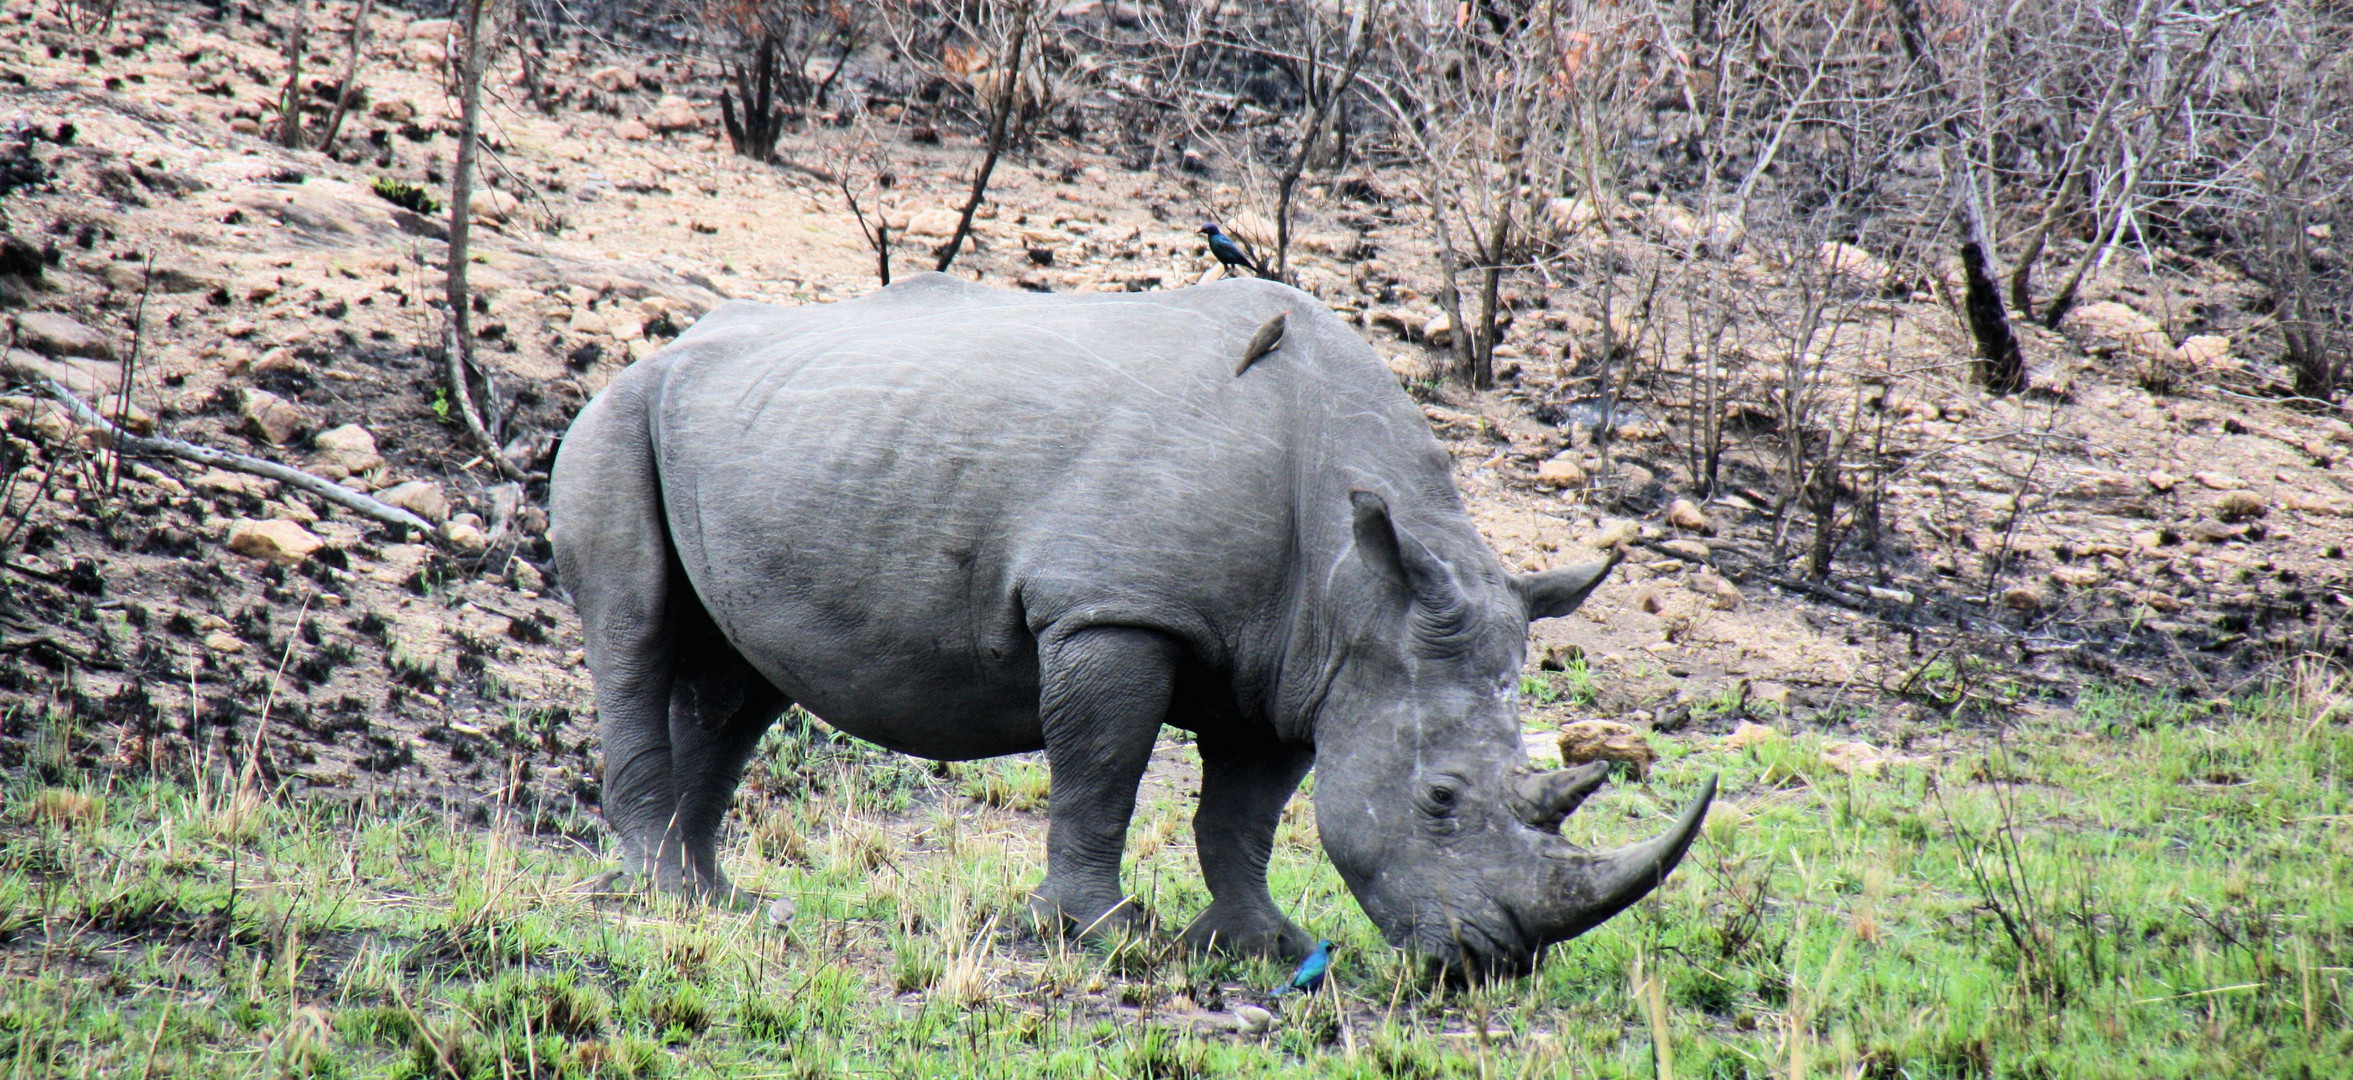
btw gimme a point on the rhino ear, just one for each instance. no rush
(1555, 593)
(1398, 557)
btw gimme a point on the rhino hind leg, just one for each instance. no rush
(1245, 783)
(1104, 693)
(719, 708)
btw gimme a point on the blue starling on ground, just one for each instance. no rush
(1310, 976)
(1229, 254)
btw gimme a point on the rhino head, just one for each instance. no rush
(1424, 796)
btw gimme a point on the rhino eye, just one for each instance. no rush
(1441, 799)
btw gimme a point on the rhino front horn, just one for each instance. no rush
(1585, 889)
(1547, 798)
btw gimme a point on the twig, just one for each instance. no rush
(235, 462)
(122, 399)
(358, 44)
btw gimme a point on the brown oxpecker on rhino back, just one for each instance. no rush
(963, 522)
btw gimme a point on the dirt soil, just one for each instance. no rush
(2027, 546)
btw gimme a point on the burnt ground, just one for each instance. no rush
(2017, 550)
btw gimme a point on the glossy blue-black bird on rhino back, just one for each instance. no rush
(1229, 253)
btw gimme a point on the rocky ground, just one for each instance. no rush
(173, 263)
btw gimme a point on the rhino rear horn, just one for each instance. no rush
(1585, 889)
(1555, 593)
(1546, 798)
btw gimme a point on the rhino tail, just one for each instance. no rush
(1266, 340)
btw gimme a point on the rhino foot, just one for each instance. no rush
(1248, 932)
(1125, 919)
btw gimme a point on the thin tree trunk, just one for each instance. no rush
(343, 95)
(999, 120)
(2000, 366)
(290, 98)
(458, 342)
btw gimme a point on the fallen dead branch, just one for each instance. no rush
(156, 446)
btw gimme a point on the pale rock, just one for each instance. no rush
(1685, 515)
(423, 53)
(493, 205)
(1562, 471)
(1614, 532)
(1692, 550)
(2081, 577)
(2023, 599)
(2237, 506)
(1568, 216)
(1776, 695)
(632, 130)
(1747, 734)
(2109, 326)
(294, 510)
(1853, 264)
(1855, 758)
(2219, 481)
(1722, 594)
(1605, 740)
(394, 110)
(281, 361)
(1253, 229)
(1439, 331)
(349, 447)
(938, 222)
(222, 641)
(2163, 481)
(52, 334)
(673, 114)
(423, 498)
(427, 30)
(527, 577)
(1253, 1021)
(276, 420)
(233, 483)
(465, 536)
(613, 80)
(275, 540)
(2203, 352)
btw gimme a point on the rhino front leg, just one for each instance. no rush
(1104, 694)
(1245, 783)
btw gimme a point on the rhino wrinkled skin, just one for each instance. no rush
(963, 522)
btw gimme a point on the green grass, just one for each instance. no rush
(2137, 888)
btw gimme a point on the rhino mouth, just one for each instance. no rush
(1557, 893)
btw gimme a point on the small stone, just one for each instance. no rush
(281, 361)
(673, 114)
(275, 540)
(1685, 515)
(2219, 481)
(1722, 594)
(2023, 599)
(2201, 352)
(2163, 481)
(1253, 1021)
(1438, 333)
(1748, 734)
(1562, 471)
(1605, 740)
(2237, 506)
(1773, 694)
(394, 110)
(632, 131)
(527, 577)
(294, 510)
(465, 537)
(245, 125)
(781, 911)
(1614, 532)
(938, 222)
(1855, 265)
(493, 205)
(52, 334)
(233, 483)
(350, 447)
(2108, 326)
(1692, 550)
(222, 641)
(613, 80)
(276, 420)
(1855, 758)
(2081, 577)
(423, 498)
(428, 30)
